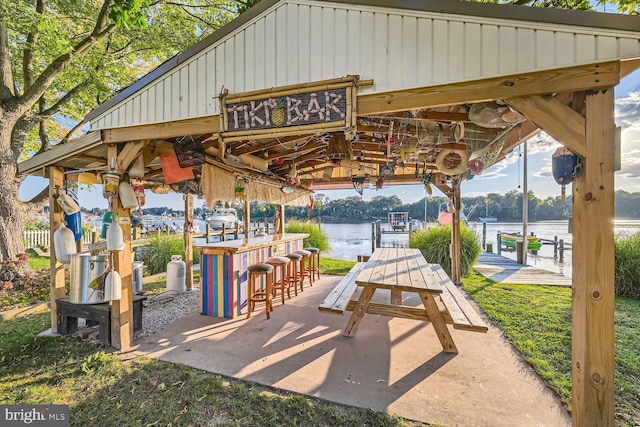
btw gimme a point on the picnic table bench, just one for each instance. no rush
(403, 270)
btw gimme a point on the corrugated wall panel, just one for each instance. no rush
(298, 42)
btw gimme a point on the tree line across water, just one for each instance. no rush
(505, 207)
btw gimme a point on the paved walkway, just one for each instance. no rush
(501, 269)
(393, 365)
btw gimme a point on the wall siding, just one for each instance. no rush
(305, 42)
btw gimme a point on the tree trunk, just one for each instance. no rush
(14, 214)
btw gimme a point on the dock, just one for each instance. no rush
(501, 269)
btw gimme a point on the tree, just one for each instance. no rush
(61, 58)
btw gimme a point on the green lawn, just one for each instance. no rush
(537, 321)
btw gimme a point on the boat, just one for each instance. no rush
(223, 218)
(511, 241)
(488, 219)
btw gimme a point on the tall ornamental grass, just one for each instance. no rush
(434, 244)
(627, 265)
(157, 254)
(317, 238)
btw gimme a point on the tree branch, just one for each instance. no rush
(68, 97)
(27, 56)
(72, 133)
(48, 76)
(7, 88)
(45, 142)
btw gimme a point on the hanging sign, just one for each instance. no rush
(326, 106)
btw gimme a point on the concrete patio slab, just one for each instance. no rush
(393, 365)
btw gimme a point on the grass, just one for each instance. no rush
(38, 263)
(335, 266)
(537, 321)
(101, 389)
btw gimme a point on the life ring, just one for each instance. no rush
(452, 170)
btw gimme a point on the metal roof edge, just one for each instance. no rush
(60, 152)
(455, 7)
(181, 57)
(580, 18)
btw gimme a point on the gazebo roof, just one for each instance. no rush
(447, 85)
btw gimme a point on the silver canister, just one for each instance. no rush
(137, 272)
(83, 268)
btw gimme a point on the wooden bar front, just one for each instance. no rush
(223, 270)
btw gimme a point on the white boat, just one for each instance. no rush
(223, 217)
(488, 219)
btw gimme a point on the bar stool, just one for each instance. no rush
(257, 293)
(280, 277)
(305, 264)
(295, 268)
(315, 261)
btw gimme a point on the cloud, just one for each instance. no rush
(627, 112)
(544, 172)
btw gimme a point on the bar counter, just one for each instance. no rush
(223, 270)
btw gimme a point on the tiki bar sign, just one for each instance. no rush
(293, 110)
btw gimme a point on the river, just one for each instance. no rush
(350, 240)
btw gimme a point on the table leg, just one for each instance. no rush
(438, 322)
(396, 297)
(358, 312)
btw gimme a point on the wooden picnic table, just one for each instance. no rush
(405, 270)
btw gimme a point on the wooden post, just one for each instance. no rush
(593, 269)
(455, 234)
(484, 235)
(246, 221)
(56, 179)
(499, 243)
(207, 230)
(561, 250)
(122, 310)
(188, 240)
(280, 219)
(555, 246)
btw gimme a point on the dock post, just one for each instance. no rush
(207, 231)
(561, 250)
(484, 235)
(378, 234)
(235, 232)
(555, 246)
(499, 244)
(520, 251)
(224, 232)
(373, 236)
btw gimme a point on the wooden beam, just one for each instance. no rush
(584, 77)
(56, 183)
(197, 126)
(593, 289)
(188, 240)
(555, 118)
(122, 309)
(628, 67)
(128, 154)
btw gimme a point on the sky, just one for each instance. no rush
(502, 177)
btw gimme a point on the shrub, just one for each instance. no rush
(157, 254)
(434, 244)
(317, 238)
(21, 286)
(627, 265)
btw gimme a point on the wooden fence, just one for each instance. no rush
(33, 238)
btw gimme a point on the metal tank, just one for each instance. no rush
(83, 268)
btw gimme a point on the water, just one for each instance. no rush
(350, 240)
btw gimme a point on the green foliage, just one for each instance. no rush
(627, 265)
(434, 244)
(317, 238)
(129, 13)
(157, 254)
(35, 224)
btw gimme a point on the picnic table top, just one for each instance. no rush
(401, 269)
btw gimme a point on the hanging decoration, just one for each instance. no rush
(64, 244)
(358, 184)
(427, 184)
(74, 220)
(189, 152)
(452, 167)
(110, 184)
(566, 167)
(172, 171)
(127, 196)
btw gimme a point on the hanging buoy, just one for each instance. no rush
(127, 195)
(445, 218)
(446, 167)
(65, 244)
(113, 286)
(476, 166)
(115, 237)
(565, 166)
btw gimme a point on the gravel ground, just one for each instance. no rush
(166, 307)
